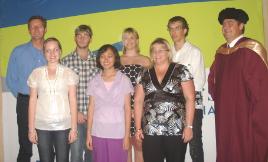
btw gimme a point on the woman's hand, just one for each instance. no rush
(126, 143)
(89, 142)
(32, 135)
(138, 144)
(139, 135)
(72, 135)
(187, 134)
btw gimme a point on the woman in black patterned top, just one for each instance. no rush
(164, 107)
(133, 63)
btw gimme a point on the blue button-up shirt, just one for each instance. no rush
(23, 60)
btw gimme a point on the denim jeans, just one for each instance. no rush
(196, 144)
(25, 150)
(52, 143)
(79, 151)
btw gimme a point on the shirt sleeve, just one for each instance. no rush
(128, 88)
(90, 87)
(185, 74)
(139, 79)
(32, 79)
(211, 80)
(255, 74)
(73, 78)
(12, 71)
(198, 70)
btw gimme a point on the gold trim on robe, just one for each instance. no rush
(250, 44)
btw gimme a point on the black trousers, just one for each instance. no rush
(158, 148)
(196, 144)
(25, 150)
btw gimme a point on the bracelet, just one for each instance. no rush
(139, 130)
(189, 126)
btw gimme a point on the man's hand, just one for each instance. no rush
(81, 118)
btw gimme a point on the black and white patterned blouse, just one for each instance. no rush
(164, 103)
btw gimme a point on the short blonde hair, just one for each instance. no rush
(164, 42)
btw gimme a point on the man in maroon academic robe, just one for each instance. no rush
(238, 83)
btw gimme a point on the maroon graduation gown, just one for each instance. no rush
(238, 83)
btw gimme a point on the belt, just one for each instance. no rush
(23, 95)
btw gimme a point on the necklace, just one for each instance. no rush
(52, 88)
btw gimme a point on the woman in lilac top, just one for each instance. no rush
(109, 109)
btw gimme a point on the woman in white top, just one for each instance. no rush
(52, 106)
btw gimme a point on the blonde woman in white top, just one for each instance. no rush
(52, 106)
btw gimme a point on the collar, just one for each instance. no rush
(184, 46)
(232, 44)
(248, 43)
(90, 55)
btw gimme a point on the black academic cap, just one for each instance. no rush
(233, 13)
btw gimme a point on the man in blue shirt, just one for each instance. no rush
(24, 58)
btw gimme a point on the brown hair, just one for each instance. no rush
(52, 39)
(105, 48)
(44, 21)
